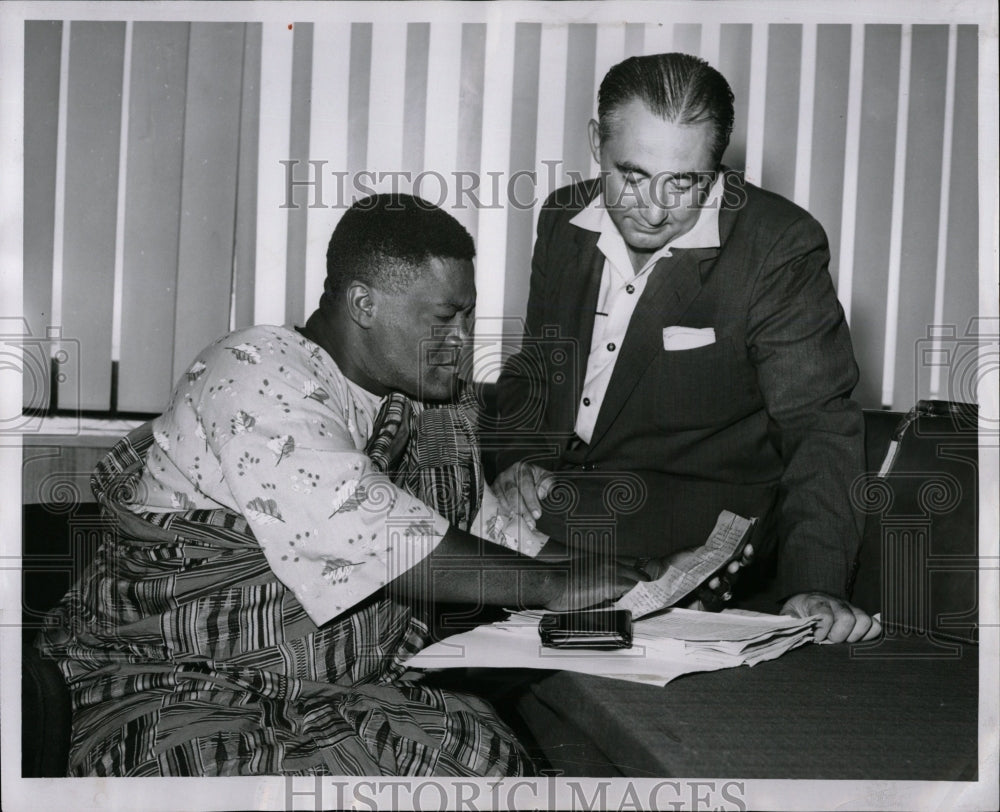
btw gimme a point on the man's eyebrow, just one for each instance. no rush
(692, 176)
(628, 166)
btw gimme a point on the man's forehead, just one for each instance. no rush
(639, 137)
(447, 280)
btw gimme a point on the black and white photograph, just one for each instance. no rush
(500, 405)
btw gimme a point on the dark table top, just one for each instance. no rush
(901, 709)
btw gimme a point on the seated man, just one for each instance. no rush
(282, 531)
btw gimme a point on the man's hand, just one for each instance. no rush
(712, 595)
(718, 591)
(839, 620)
(600, 581)
(521, 488)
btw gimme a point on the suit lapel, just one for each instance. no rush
(578, 292)
(674, 283)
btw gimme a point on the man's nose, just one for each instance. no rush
(656, 206)
(456, 340)
(461, 333)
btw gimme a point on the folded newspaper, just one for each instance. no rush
(664, 647)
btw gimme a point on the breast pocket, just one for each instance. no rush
(701, 387)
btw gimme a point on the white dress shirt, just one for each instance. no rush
(620, 290)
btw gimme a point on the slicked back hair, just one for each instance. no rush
(679, 88)
(385, 240)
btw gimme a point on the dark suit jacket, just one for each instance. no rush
(761, 418)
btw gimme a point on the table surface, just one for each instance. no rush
(901, 709)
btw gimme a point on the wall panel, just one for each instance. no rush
(687, 38)
(485, 95)
(757, 101)
(418, 38)
(296, 305)
(469, 154)
(441, 130)
(521, 189)
(328, 145)
(659, 38)
(358, 99)
(96, 61)
(208, 192)
(806, 115)
(920, 209)
(386, 103)
(580, 93)
(42, 45)
(734, 64)
(552, 66)
(494, 169)
(152, 214)
(272, 236)
(874, 206)
(635, 36)
(781, 109)
(245, 254)
(711, 43)
(961, 291)
(826, 183)
(609, 50)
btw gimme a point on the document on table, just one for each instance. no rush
(676, 642)
(691, 568)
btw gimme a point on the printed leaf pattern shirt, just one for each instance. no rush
(265, 424)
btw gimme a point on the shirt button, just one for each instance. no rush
(611, 347)
(630, 288)
(586, 401)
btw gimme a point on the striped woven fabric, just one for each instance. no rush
(186, 656)
(431, 451)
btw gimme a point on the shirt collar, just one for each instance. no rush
(704, 233)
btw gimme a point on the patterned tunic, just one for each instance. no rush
(234, 621)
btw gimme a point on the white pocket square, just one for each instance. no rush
(687, 338)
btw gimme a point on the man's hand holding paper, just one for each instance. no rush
(682, 574)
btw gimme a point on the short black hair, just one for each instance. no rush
(384, 241)
(680, 88)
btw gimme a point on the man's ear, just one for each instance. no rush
(361, 305)
(595, 140)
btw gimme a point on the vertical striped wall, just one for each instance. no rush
(183, 178)
(140, 198)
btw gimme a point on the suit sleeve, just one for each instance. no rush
(800, 343)
(521, 389)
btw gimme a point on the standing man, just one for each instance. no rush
(683, 339)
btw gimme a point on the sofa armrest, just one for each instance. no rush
(918, 560)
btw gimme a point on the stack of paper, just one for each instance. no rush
(676, 642)
(732, 637)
